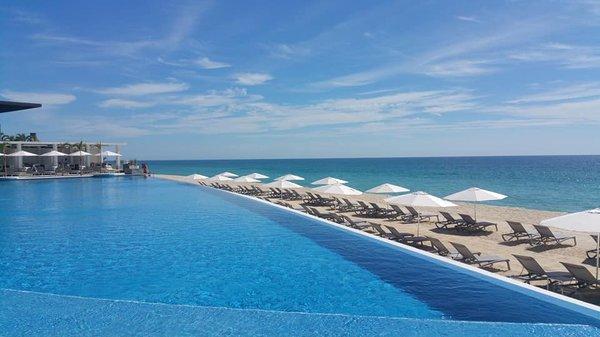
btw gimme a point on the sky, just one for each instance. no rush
(298, 79)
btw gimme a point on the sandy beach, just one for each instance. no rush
(485, 242)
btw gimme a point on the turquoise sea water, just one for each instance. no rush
(71, 253)
(558, 183)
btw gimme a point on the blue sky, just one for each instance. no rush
(286, 79)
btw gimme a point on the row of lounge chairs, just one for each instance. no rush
(544, 235)
(574, 279)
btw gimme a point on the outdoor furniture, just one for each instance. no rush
(471, 224)
(363, 225)
(378, 211)
(535, 272)
(482, 261)
(449, 220)
(407, 238)
(584, 278)
(399, 213)
(546, 237)
(382, 233)
(327, 216)
(591, 254)
(518, 232)
(364, 209)
(421, 216)
(441, 249)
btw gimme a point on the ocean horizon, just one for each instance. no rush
(565, 183)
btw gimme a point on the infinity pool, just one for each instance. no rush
(134, 242)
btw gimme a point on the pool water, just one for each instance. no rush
(153, 241)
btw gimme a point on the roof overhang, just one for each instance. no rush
(6, 106)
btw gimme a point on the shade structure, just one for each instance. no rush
(329, 181)
(419, 199)
(79, 154)
(108, 154)
(475, 194)
(586, 221)
(290, 177)
(246, 179)
(54, 153)
(282, 184)
(257, 176)
(337, 189)
(197, 176)
(388, 188)
(219, 177)
(227, 174)
(22, 154)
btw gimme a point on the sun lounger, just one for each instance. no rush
(362, 225)
(327, 216)
(398, 213)
(421, 216)
(591, 254)
(584, 278)
(546, 237)
(382, 233)
(471, 224)
(408, 238)
(364, 209)
(518, 232)
(378, 211)
(535, 272)
(449, 220)
(441, 249)
(476, 258)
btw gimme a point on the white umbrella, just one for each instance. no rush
(419, 199)
(54, 153)
(246, 179)
(197, 176)
(282, 184)
(586, 221)
(227, 174)
(79, 154)
(257, 176)
(290, 177)
(108, 154)
(219, 177)
(338, 189)
(22, 154)
(475, 194)
(329, 181)
(388, 188)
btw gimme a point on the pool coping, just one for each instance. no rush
(581, 307)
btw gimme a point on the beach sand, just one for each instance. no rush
(486, 242)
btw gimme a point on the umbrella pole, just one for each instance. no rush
(597, 254)
(475, 211)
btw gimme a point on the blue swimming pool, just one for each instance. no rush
(133, 242)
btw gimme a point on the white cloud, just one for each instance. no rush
(125, 103)
(569, 92)
(140, 89)
(288, 51)
(459, 68)
(468, 18)
(567, 56)
(38, 97)
(207, 63)
(252, 78)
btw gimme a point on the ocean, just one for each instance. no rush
(555, 183)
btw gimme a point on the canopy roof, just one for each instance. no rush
(282, 184)
(246, 179)
(21, 154)
(388, 188)
(290, 177)
(197, 176)
(586, 221)
(419, 199)
(475, 194)
(329, 181)
(6, 106)
(54, 154)
(227, 174)
(257, 176)
(337, 189)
